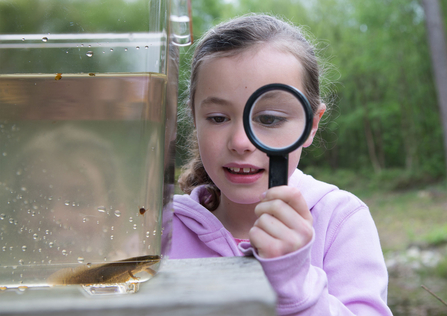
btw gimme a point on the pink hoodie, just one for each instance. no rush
(340, 272)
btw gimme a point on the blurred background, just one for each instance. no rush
(383, 137)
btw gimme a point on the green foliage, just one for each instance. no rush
(437, 237)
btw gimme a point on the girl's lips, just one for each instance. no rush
(243, 174)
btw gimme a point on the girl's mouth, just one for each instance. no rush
(245, 175)
(236, 170)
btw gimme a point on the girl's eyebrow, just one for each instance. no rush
(214, 101)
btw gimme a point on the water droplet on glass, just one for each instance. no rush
(138, 47)
(23, 39)
(35, 236)
(64, 252)
(67, 203)
(23, 188)
(111, 237)
(130, 219)
(101, 209)
(148, 234)
(51, 244)
(134, 226)
(21, 262)
(89, 265)
(23, 248)
(22, 288)
(117, 213)
(111, 49)
(89, 53)
(146, 47)
(11, 220)
(2, 216)
(45, 39)
(125, 49)
(80, 260)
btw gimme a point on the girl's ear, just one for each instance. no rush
(316, 121)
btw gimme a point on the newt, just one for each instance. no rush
(109, 273)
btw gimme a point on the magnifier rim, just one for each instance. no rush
(248, 110)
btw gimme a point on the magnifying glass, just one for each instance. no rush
(277, 120)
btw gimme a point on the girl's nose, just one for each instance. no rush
(238, 141)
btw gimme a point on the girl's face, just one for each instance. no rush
(224, 85)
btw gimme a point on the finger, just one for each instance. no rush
(291, 196)
(273, 226)
(282, 211)
(266, 245)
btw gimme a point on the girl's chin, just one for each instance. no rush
(248, 198)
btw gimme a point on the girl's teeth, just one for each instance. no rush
(244, 170)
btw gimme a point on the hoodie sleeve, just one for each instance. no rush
(353, 280)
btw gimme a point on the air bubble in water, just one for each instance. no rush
(117, 213)
(89, 53)
(45, 39)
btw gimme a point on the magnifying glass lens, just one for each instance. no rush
(277, 119)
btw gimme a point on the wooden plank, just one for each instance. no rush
(210, 286)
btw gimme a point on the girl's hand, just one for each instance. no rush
(284, 223)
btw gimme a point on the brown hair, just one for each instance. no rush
(232, 38)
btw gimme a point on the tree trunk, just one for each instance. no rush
(437, 42)
(371, 145)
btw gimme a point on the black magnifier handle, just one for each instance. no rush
(278, 170)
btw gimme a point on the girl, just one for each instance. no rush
(318, 245)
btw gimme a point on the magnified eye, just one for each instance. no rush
(269, 120)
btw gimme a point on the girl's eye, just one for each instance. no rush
(217, 119)
(269, 120)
